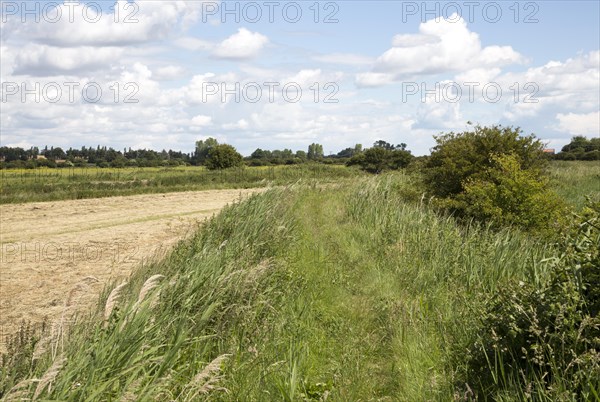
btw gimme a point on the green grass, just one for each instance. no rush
(76, 183)
(575, 180)
(344, 292)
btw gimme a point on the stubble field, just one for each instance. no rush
(60, 250)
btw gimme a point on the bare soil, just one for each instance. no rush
(50, 249)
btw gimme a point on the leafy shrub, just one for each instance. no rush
(222, 157)
(457, 157)
(507, 195)
(379, 159)
(543, 342)
(494, 175)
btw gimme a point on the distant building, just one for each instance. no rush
(550, 151)
(41, 157)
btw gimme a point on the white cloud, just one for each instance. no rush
(137, 22)
(202, 120)
(168, 72)
(241, 124)
(579, 124)
(574, 75)
(556, 87)
(478, 75)
(412, 40)
(439, 115)
(242, 45)
(45, 60)
(374, 79)
(439, 47)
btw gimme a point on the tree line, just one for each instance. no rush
(580, 148)
(208, 152)
(380, 157)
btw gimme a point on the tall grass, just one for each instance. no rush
(576, 180)
(305, 293)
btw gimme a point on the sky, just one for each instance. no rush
(283, 74)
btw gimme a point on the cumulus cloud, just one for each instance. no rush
(128, 23)
(170, 72)
(574, 75)
(439, 115)
(242, 45)
(201, 120)
(241, 124)
(439, 47)
(579, 123)
(570, 85)
(43, 60)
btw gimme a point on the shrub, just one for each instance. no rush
(379, 159)
(543, 342)
(222, 157)
(507, 195)
(493, 174)
(457, 157)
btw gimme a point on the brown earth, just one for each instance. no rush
(48, 249)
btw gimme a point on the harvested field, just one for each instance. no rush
(51, 251)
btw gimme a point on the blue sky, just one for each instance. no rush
(395, 71)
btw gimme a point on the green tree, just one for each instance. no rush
(382, 156)
(260, 154)
(222, 157)
(301, 155)
(202, 149)
(580, 148)
(315, 151)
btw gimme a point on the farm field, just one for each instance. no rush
(51, 248)
(43, 184)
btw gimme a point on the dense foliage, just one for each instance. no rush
(223, 156)
(580, 148)
(381, 157)
(505, 194)
(543, 341)
(458, 156)
(494, 175)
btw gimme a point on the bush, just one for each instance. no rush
(457, 157)
(379, 159)
(222, 157)
(504, 194)
(494, 175)
(543, 342)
